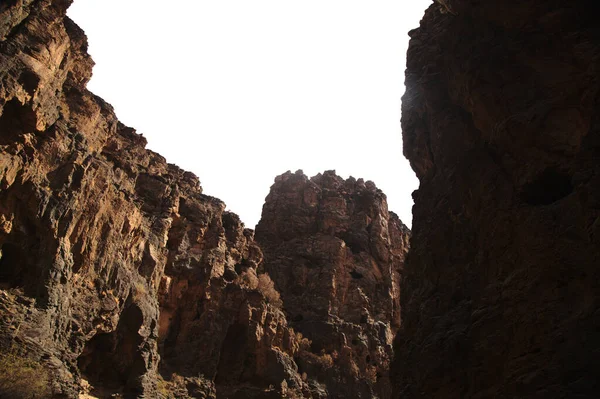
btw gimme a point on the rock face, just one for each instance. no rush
(120, 278)
(335, 254)
(111, 258)
(501, 124)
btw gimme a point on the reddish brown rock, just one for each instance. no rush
(500, 122)
(113, 259)
(335, 254)
(120, 278)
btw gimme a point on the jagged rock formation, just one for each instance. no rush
(335, 254)
(501, 124)
(119, 277)
(112, 258)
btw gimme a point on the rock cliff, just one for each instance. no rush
(501, 124)
(113, 259)
(120, 278)
(335, 254)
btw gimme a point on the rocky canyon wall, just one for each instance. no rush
(501, 123)
(120, 278)
(336, 255)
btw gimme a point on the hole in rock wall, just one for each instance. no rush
(356, 244)
(15, 120)
(356, 275)
(29, 81)
(18, 268)
(11, 266)
(229, 275)
(233, 355)
(109, 360)
(549, 186)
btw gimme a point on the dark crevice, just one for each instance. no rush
(29, 80)
(356, 275)
(12, 269)
(16, 119)
(233, 355)
(549, 186)
(20, 266)
(356, 243)
(112, 362)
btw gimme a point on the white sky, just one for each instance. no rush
(241, 91)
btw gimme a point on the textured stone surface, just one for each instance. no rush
(120, 278)
(111, 257)
(500, 122)
(335, 254)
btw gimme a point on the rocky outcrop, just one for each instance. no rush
(336, 254)
(117, 274)
(501, 124)
(120, 278)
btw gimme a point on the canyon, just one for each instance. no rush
(119, 277)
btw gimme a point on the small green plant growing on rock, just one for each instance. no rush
(23, 378)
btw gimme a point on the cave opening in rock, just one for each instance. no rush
(356, 275)
(15, 120)
(29, 81)
(97, 363)
(355, 244)
(18, 269)
(12, 269)
(233, 355)
(110, 360)
(548, 187)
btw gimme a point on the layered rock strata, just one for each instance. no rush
(120, 278)
(336, 254)
(501, 124)
(113, 259)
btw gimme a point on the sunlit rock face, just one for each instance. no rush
(336, 254)
(501, 124)
(119, 278)
(113, 259)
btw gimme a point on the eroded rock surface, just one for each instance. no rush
(501, 124)
(335, 254)
(120, 278)
(112, 258)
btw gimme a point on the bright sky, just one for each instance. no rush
(241, 91)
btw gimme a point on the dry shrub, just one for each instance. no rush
(371, 374)
(22, 378)
(172, 389)
(323, 361)
(267, 288)
(303, 342)
(248, 279)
